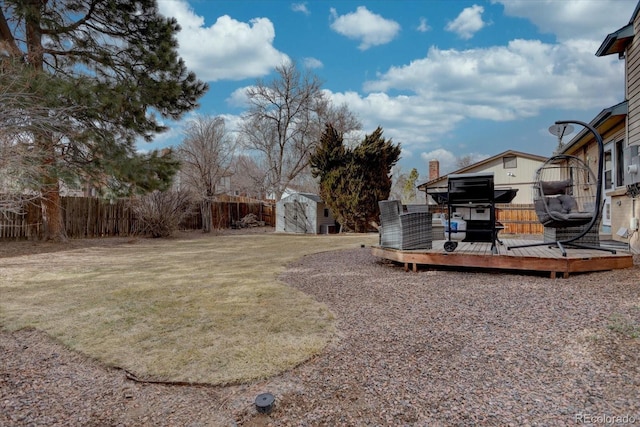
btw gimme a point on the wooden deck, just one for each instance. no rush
(533, 259)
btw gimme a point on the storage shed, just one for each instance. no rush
(304, 213)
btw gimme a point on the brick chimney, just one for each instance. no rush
(434, 169)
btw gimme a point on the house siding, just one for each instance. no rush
(633, 85)
(589, 154)
(620, 215)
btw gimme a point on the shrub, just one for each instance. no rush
(160, 212)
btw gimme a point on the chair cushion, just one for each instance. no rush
(554, 204)
(550, 188)
(568, 203)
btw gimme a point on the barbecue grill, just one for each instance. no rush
(472, 196)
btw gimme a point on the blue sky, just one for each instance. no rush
(443, 78)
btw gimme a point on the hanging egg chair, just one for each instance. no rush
(566, 193)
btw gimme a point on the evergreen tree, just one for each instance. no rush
(353, 181)
(409, 187)
(116, 63)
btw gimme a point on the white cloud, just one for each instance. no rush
(312, 63)
(300, 7)
(468, 22)
(371, 29)
(410, 121)
(228, 49)
(423, 27)
(507, 82)
(238, 98)
(448, 88)
(573, 19)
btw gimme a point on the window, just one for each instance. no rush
(510, 162)
(326, 213)
(608, 172)
(620, 163)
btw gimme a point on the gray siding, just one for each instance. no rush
(633, 85)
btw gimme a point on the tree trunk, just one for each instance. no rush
(51, 203)
(53, 224)
(207, 218)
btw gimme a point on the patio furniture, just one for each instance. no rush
(404, 230)
(592, 237)
(568, 196)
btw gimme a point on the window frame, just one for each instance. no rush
(507, 160)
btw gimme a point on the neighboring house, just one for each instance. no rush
(304, 213)
(620, 128)
(511, 169)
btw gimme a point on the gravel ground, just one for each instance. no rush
(433, 348)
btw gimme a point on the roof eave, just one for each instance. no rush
(620, 109)
(617, 41)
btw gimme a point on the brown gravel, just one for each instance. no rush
(419, 349)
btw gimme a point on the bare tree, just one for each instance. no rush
(249, 177)
(206, 155)
(284, 123)
(464, 161)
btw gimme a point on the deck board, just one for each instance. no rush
(537, 258)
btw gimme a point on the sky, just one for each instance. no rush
(444, 78)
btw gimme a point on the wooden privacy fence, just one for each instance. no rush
(92, 217)
(224, 214)
(517, 218)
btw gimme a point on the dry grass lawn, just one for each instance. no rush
(206, 310)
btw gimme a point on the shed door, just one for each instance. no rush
(295, 217)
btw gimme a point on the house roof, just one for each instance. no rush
(618, 41)
(466, 169)
(605, 120)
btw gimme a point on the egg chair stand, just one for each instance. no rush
(567, 194)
